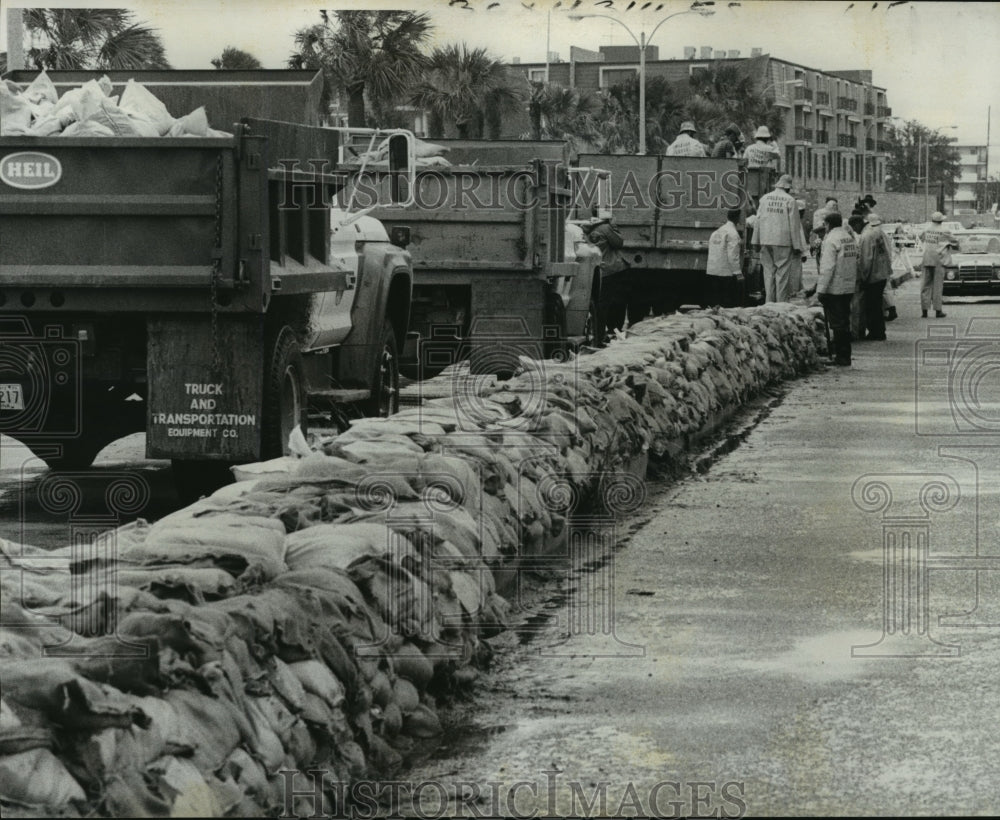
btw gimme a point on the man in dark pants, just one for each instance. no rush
(602, 233)
(875, 266)
(838, 274)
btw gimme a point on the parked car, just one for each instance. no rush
(972, 273)
(978, 240)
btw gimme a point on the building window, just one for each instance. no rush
(697, 68)
(537, 75)
(822, 167)
(616, 75)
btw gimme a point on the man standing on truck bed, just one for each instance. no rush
(778, 234)
(686, 145)
(763, 153)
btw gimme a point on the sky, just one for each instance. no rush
(939, 62)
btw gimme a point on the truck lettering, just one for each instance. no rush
(207, 419)
(193, 389)
(202, 404)
(30, 169)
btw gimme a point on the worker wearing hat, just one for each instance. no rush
(686, 145)
(937, 243)
(763, 153)
(874, 270)
(730, 145)
(778, 234)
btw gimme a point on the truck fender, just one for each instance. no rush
(385, 287)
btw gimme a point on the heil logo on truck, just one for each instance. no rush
(30, 169)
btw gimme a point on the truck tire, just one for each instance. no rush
(284, 394)
(993, 246)
(384, 400)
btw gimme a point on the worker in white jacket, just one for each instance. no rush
(778, 234)
(723, 272)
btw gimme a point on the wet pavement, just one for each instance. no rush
(749, 647)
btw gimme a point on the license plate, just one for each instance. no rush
(11, 397)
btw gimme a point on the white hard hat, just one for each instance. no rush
(762, 132)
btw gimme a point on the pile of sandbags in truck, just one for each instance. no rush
(92, 111)
(425, 155)
(313, 617)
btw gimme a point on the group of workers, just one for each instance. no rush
(761, 153)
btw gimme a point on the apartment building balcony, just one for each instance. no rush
(884, 111)
(869, 144)
(847, 104)
(803, 133)
(822, 138)
(802, 95)
(846, 141)
(823, 98)
(869, 109)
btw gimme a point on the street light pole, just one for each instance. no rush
(642, 42)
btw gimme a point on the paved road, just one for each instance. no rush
(744, 590)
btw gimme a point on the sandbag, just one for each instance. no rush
(139, 102)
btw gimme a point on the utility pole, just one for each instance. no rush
(986, 186)
(15, 40)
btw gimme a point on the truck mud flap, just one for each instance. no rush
(205, 388)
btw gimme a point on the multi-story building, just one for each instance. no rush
(970, 187)
(835, 121)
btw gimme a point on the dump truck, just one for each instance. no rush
(497, 272)
(211, 292)
(666, 209)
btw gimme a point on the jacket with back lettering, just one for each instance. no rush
(838, 263)
(778, 221)
(874, 255)
(935, 239)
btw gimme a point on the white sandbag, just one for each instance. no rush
(317, 678)
(109, 114)
(85, 101)
(36, 777)
(53, 123)
(15, 113)
(194, 124)
(143, 126)
(90, 128)
(139, 102)
(337, 546)
(41, 89)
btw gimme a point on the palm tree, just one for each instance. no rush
(733, 93)
(467, 88)
(618, 121)
(99, 39)
(557, 112)
(235, 58)
(373, 53)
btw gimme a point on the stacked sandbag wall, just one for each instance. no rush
(314, 619)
